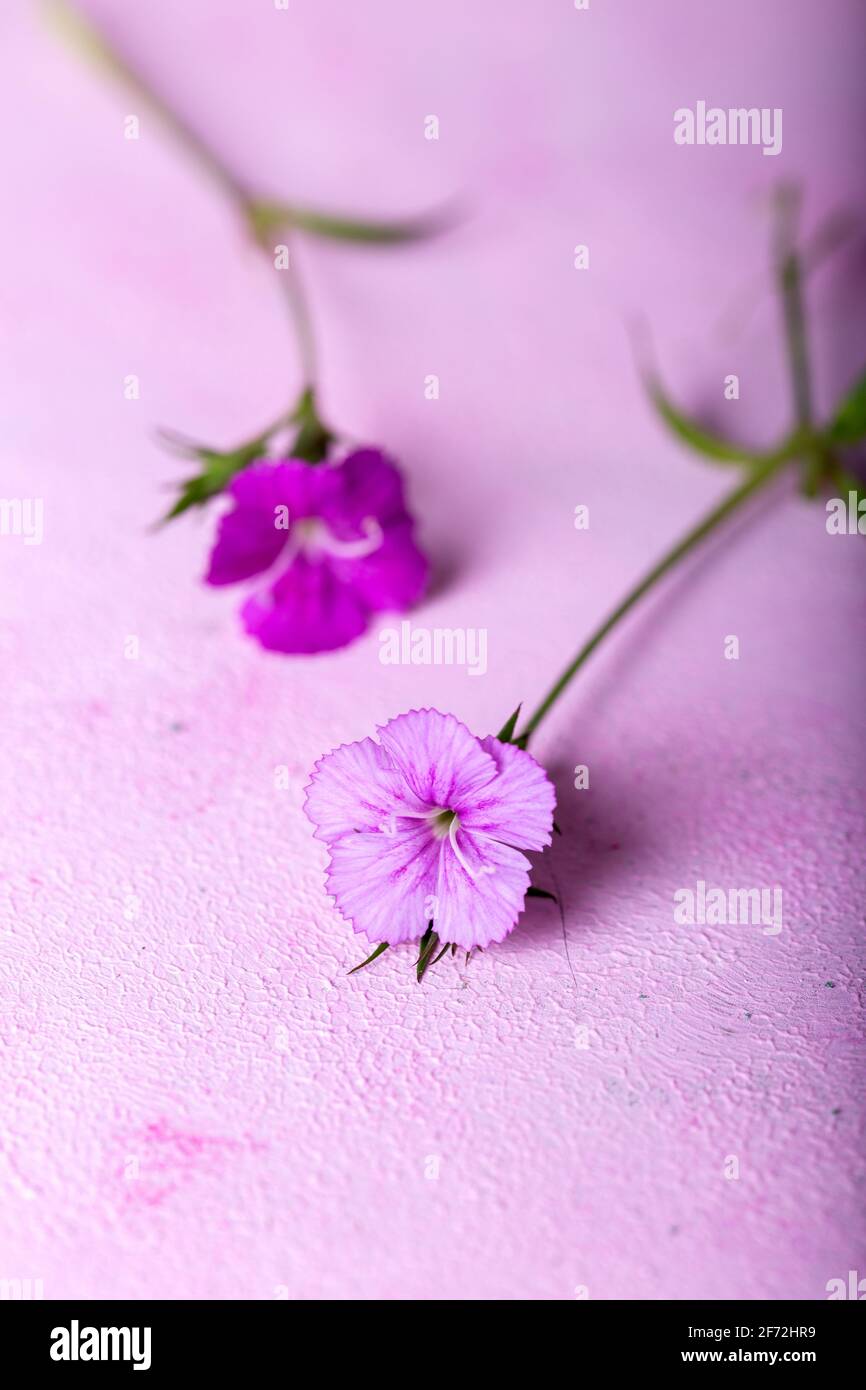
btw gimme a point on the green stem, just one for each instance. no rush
(299, 315)
(760, 475)
(791, 287)
(91, 40)
(803, 442)
(789, 275)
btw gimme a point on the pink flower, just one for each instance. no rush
(427, 826)
(336, 542)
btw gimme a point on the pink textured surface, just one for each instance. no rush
(174, 997)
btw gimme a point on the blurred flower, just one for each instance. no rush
(348, 550)
(337, 539)
(424, 830)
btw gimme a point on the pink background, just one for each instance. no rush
(196, 1100)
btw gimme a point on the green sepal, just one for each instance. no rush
(217, 473)
(311, 444)
(506, 733)
(429, 942)
(313, 438)
(849, 422)
(383, 946)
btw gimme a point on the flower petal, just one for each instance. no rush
(390, 577)
(356, 787)
(517, 806)
(308, 610)
(439, 758)
(385, 884)
(366, 483)
(481, 905)
(248, 541)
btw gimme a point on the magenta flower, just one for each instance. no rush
(427, 826)
(336, 540)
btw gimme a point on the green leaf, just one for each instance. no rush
(692, 434)
(267, 218)
(378, 951)
(849, 423)
(506, 732)
(534, 892)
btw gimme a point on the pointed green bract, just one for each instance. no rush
(506, 733)
(849, 423)
(429, 942)
(219, 468)
(383, 946)
(217, 474)
(311, 443)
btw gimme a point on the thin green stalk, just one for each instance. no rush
(91, 40)
(803, 442)
(791, 287)
(760, 474)
(789, 275)
(299, 315)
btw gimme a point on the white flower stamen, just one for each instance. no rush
(313, 536)
(461, 858)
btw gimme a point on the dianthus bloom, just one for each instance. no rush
(427, 826)
(337, 541)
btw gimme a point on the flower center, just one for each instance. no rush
(442, 822)
(314, 537)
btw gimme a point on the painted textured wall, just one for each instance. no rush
(196, 1100)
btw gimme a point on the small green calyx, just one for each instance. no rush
(430, 949)
(313, 439)
(311, 443)
(218, 469)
